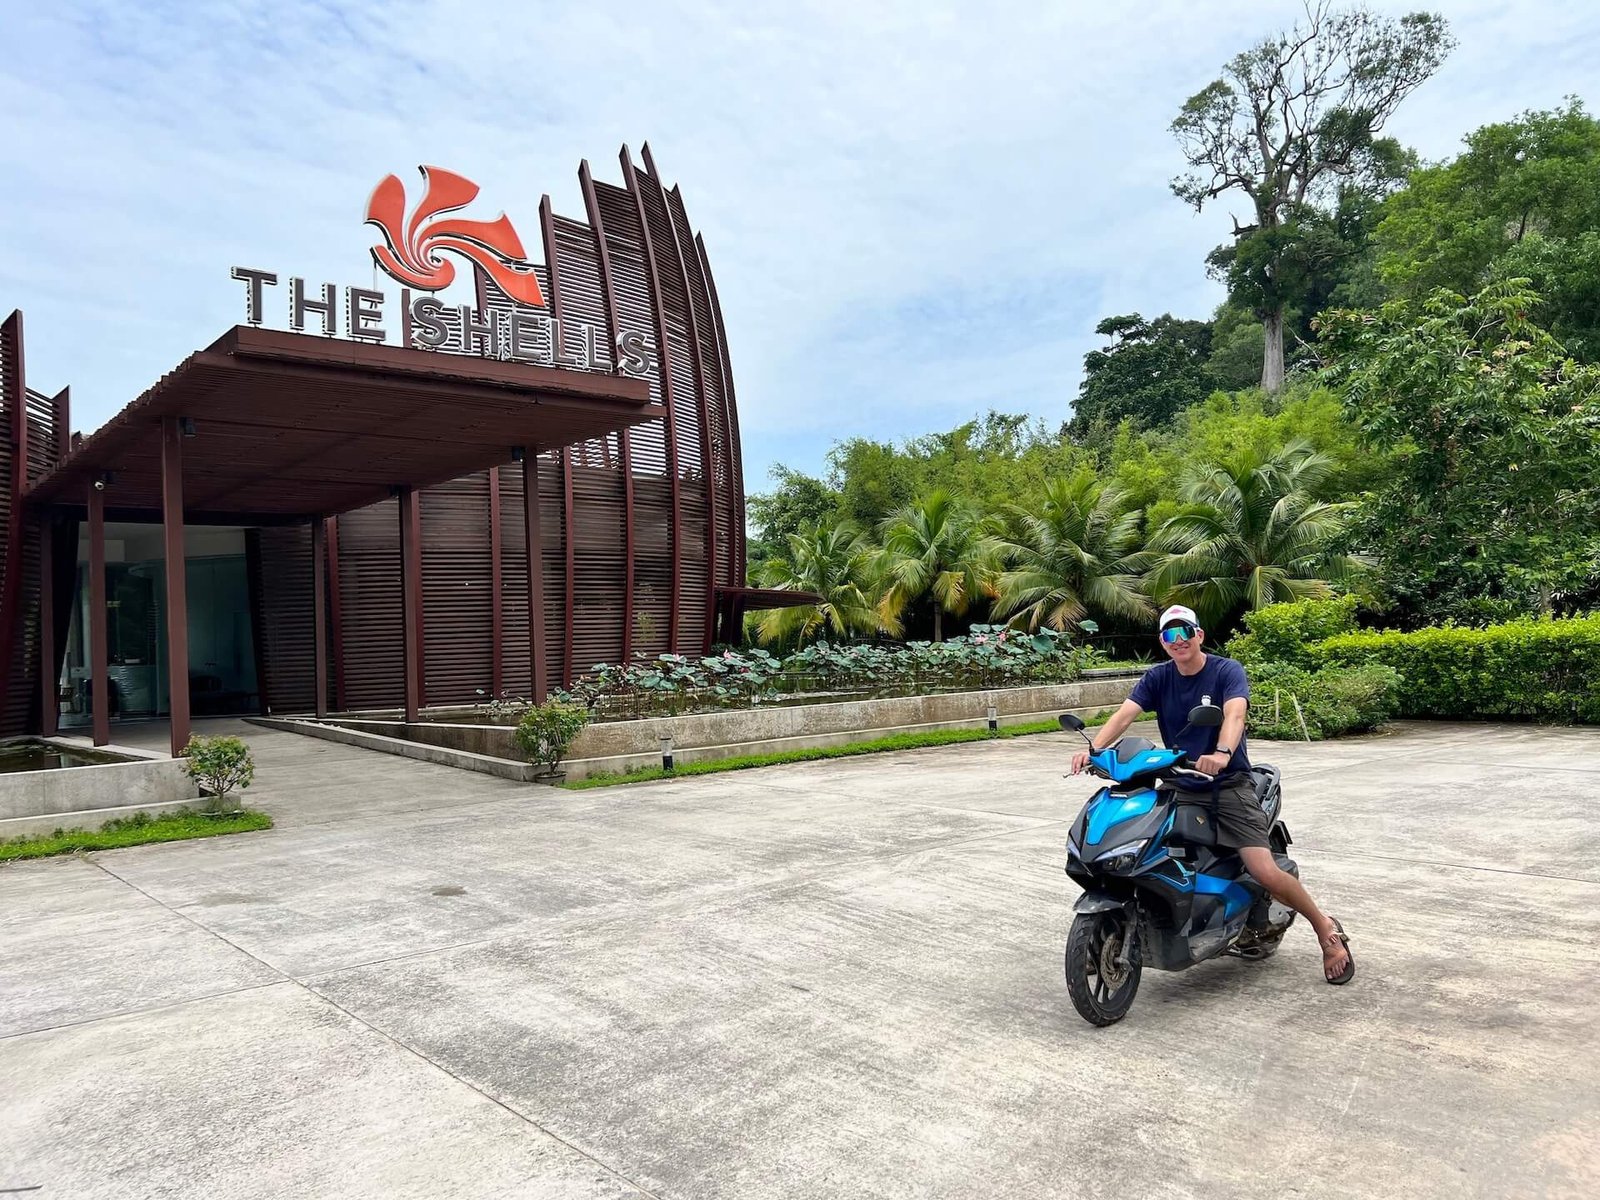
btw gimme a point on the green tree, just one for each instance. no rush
(1151, 371)
(934, 548)
(833, 561)
(1290, 123)
(1237, 344)
(1523, 201)
(872, 479)
(996, 459)
(1492, 490)
(1078, 555)
(1251, 534)
(797, 502)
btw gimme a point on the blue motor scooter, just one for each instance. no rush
(1157, 889)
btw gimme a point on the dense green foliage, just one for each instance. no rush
(1523, 200)
(1292, 702)
(1492, 489)
(1529, 669)
(138, 830)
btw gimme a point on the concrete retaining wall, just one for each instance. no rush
(622, 745)
(86, 797)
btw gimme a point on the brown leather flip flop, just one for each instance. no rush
(1349, 971)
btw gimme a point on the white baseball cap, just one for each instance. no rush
(1178, 613)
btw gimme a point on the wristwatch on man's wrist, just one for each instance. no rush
(1228, 750)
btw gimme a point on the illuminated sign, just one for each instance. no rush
(413, 252)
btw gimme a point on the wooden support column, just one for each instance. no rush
(534, 534)
(319, 611)
(497, 633)
(177, 591)
(335, 613)
(99, 677)
(49, 684)
(411, 596)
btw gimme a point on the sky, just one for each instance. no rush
(915, 212)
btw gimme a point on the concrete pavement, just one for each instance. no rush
(838, 979)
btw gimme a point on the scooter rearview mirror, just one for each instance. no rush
(1071, 723)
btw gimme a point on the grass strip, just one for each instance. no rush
(894, 741)
(137, 830)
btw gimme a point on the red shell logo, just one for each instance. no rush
(411, 249)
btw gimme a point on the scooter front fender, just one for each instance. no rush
(1093, 902)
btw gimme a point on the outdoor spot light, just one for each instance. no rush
(186, 426)
(517, 453)
(994, 720)
(666, 751)
(99, 485)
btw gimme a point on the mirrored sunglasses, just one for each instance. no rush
(1177, 633)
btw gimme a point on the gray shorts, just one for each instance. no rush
(1240, 821)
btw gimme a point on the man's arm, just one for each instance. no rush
(1233, 715)
(1130, 712)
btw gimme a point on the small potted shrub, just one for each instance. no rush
(218, 765)
(544, 733)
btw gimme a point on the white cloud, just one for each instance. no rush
(914, 212)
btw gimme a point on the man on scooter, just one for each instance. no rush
(1170, 689)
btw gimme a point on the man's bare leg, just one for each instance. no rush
(1286, 889)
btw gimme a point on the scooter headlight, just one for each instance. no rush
(1119, 858)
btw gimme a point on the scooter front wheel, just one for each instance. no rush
(1101, 986)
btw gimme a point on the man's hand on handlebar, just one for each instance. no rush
(1080, 762)
(1212, 764)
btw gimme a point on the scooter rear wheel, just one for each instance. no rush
(1102, 990)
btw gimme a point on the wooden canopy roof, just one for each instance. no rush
(292, 426)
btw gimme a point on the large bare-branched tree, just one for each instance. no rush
(1291, 121)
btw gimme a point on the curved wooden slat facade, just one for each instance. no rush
(639, 531)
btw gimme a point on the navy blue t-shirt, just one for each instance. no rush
(1170, 695)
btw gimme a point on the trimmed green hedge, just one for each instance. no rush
(1281, 633)
(1530, 670)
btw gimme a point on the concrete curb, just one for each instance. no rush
(617, 764)
(504, 768)
(86, 818)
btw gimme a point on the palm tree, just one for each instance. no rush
(833, 561)
(932, 547)
(1078, 554)
(1253, 535)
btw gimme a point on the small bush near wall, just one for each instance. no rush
(546, 730)
(1532, 670)
(1331, 702)
(218, 765)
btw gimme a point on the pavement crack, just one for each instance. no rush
(407, 1048)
